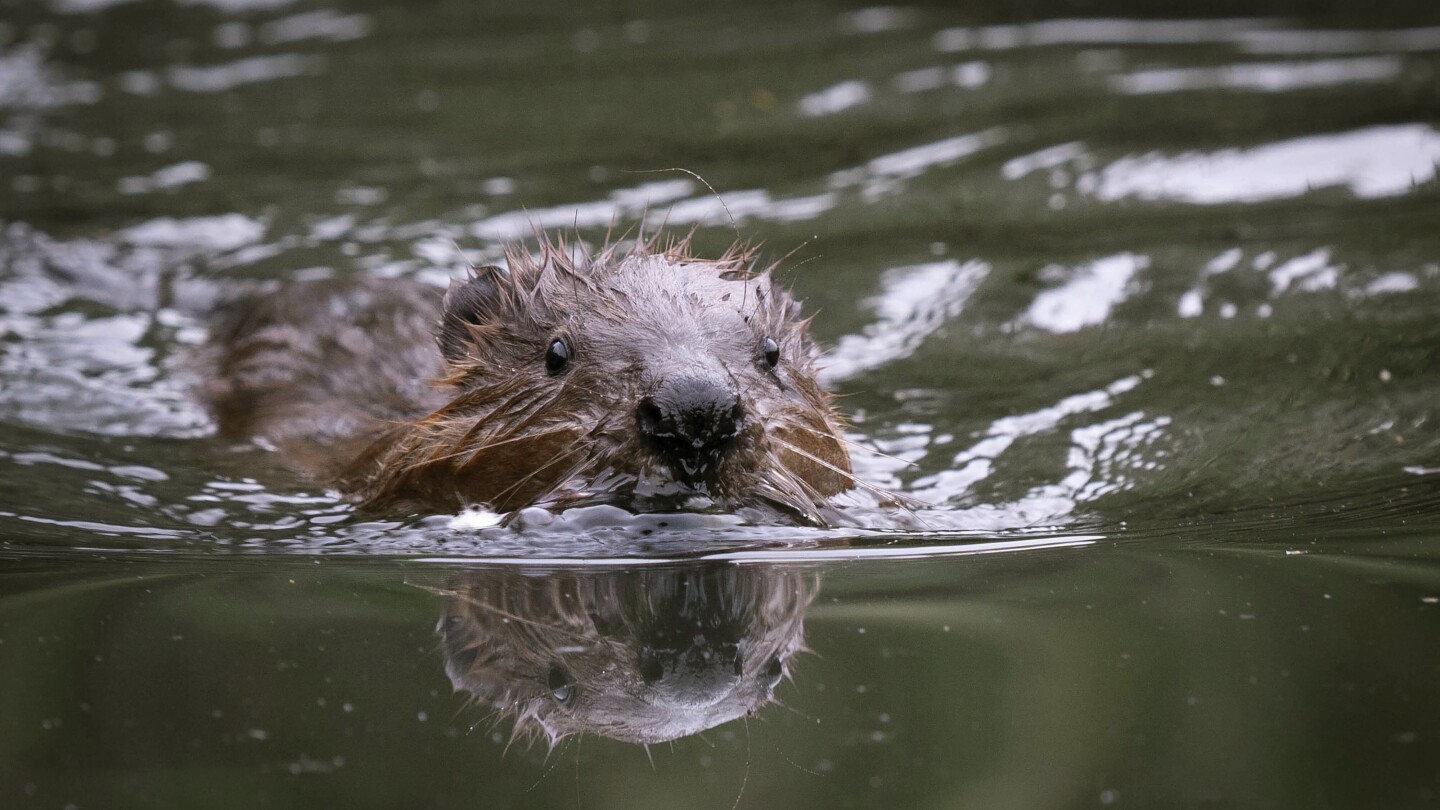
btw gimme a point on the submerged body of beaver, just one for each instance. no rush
(644, 377)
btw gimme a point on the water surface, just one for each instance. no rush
(1144, 309)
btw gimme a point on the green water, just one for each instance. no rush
(1147, 309)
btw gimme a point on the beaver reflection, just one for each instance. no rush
(644, 655)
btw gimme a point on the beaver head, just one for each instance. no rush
(644, 376)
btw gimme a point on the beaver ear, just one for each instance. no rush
(467, 303)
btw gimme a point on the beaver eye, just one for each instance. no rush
(557, 356)
(770, 352)
(559, 682)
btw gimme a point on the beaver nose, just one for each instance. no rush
(690, 414)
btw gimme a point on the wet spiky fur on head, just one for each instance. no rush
(514, 433)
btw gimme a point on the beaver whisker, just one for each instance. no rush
(472, 452)
(784, 493)
(571, 384)
(879, 491)
(852, 443)
(557, 484)
(782, 480)
(535, 410)
(502, 496)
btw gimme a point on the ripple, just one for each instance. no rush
(218, 233)
(914, 302)
(252, 70)
(1293, 41)
(917, 159)
(967, 75)
(977, 462)
(1094, 31)
(1267, 77)
(877, 19)
(326, 24)
(1380, 161)
(173, 176)
(1310, 272)
(834, 99)
(1088, 294)
(633, 203)
(28, 82)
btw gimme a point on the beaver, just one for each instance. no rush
(640, 655)
(638, 375)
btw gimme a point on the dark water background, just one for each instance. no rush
(1151, 307)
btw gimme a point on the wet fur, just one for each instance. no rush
(497, 429)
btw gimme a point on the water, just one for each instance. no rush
(1146, 308)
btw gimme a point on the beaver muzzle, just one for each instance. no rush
(689, 419)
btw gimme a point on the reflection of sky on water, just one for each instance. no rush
(1249, 35)
(326, 24)
(917, 159)
(251, 70)
(1310, 272)
(915, 302)
(968, 75)
(1086, 295)
(1378, 161)
(835, 98)
(1192, 301)
(1103, 458)
(854, 92)
(172, 176)
(878, 177)
(1095, 32)
(1297, 41)
(976, 463)
(660, 200)
(1270, 77)
(27, 82)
